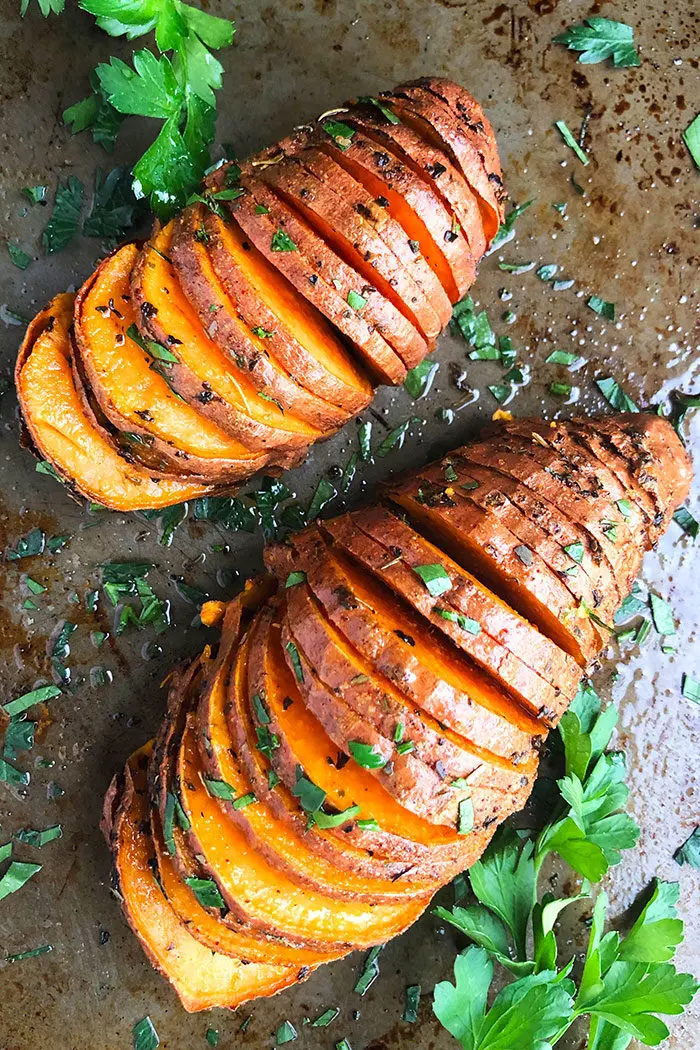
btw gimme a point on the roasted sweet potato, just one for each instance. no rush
(489, 782)
(425, 287)
(285, 849)
(298, 335)
(133, 394)
(201, 977)
(248, 348)
(314, 268)
(518, 575)
(262, 896)
(429, 163)
(201, 373)
(354, 241)
(387, 563)
(66, 436)
(470, 598)
(435, 121)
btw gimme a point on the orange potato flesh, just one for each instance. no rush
(65, 436)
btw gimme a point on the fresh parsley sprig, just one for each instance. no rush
(176, 86)
(626, 982)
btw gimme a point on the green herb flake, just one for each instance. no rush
(575, 551)
(42, 695)
(411, 1004)
(662, 614)
(383, 109)
(465, 817)
(212, 1037)
(244, 800)
(691, 137)
(311, 797)
(17, 875)
(516, 268)
(506, 230)
(220, 789)
(599, 38)
(465, 622)
(272, 779)
(207, 892)
(547, 272)
(324, 1019)
(419, 380)
(435, 577)
(685, 520)
(324, 493)
(30, 837)
(333, 820)
(398, 732)
(562, 357)
(689, 852)
(340, 133)
(601, 307)
(18, 257)
(286, 1033)
(395, 438)
(295, 578)
(33, 953)
(296, 661)
(559, 389)
(262, 333)
(364, 438)
(260, 209)
(570, 141)
(282, 242)
(35, 194)
(144, 1035)
(10, 775)
(370, 971)
(28, 546)
(356, 301)
(405, 748)
(691, 688)
(365, 755)
(65, 217)
(615, 395)
(368, 824)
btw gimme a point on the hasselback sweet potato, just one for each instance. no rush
(375, 707)
(262, 318)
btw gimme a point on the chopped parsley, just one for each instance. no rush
(691, 688)
(282, 242)
(286, 1033)
(599, 38)
(311, 796)
(685, 520)
(601, 307)
(689, 852)
(506, 230)
(435, 577)
(370, 971)
(395, 438)
(662, 614)
(419, 380)
(411, 1004)
(18, 256)
(44, 693)
(340, 133)
(365, 755)
(465, 622)
(368, 100)
(17, 875)
(615, 395)
(207, 892)
(691, 137)
(570, 141)
(296, 661)
(65, 217)
(144, 1035)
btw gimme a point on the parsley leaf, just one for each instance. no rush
(114, 207)
(419, 380)
(47, 7)
(615, 395)
(600, 38)
(570, 141)
(689, 852)
(16, 876)
(18, 256)
(506, 230)
(435, 577)
(65, 217)
(691, 137)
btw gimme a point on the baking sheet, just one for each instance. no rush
(630, 239)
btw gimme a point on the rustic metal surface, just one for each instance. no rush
(629, 239)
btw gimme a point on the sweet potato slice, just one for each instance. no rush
(299, 180)
(434, 121)
(413, 656)
(414, 784)
(248, 348)
(429, 163)
(264, 897)
(323, 279)
(468, 597)
(410, 201)
(549, 517)
(338, 844)
(600, 446)
(353, 679)
(341, 182)
(201, 373)
(285, 849)
(657, 458)
(304, 744)
(386, 562)
(202, 979)
(470, 115)
(133, 394)
(65, 435)
(484, 489)
(302, 340)
(569, 480)
(491, 552)
(493, 785)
